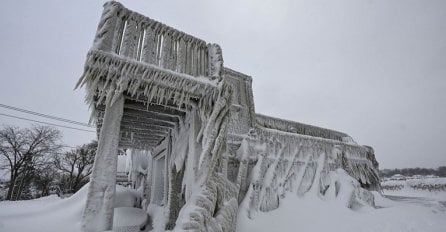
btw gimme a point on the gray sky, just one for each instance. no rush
(373, 69)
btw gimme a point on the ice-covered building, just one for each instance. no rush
(198, 149)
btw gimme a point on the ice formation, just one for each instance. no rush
(197, 148)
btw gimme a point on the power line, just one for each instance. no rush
(45, 115)
(51, 124)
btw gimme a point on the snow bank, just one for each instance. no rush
(347, 191)
(53, 214)
(128, 219)
(316, 214)
(45, 214)
(341, 205)
(158, 217)
(125, 197)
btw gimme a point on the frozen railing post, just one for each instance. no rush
(98, 213)
(106, 32)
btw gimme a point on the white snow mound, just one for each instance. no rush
(54, 214)
(347, 191)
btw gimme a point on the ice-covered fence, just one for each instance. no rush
(358, 161)
(140, 38)
(149, 62)
(299, 128)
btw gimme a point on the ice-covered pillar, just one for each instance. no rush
(107, 28)
(188, 66)
(243, 153)
(215, 68)
(167, 56)
(98, 213)
(149, 46)
(224, 164)
(181, 57)
(148, 182)
(194, 149)
(167, 168)
(130, 38)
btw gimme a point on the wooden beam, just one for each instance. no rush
(146, 129)
(142, 141)
(137, 145)
(163, 109)
(145, 125)
(132, 113)
(148, 121)
(169, 104)
(144, 133)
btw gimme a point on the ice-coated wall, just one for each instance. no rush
(283, 155)
(292, 163)
(242, 117)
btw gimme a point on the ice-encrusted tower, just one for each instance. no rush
(167, 97)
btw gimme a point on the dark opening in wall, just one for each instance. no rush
(364, 185)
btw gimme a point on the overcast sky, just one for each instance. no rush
(373, 69)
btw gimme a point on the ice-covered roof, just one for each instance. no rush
(158, 69)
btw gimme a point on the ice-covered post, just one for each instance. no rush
(98, 213)
(107, 28)
(215, 132)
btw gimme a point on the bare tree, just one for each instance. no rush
(76, 166)
(44, 179)
(24, 149)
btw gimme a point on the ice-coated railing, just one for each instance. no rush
(299, 128)
(137, 37)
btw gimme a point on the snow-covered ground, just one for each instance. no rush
(44, 214)
(309, 213)
(436, 195)
(53, 214)
(314, 214)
